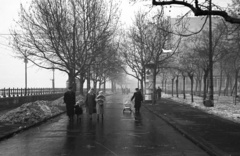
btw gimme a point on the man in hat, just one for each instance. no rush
(137, 96)
(70, 100)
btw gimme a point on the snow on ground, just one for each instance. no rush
(33, 112)
(224, 106)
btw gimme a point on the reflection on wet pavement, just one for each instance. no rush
(120, 134)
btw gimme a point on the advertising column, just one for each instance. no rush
(149, 83)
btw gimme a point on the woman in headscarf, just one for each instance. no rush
(90, 102)
(100, 103)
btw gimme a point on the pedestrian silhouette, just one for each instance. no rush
(91, 103)
(159, 93)
(137, 96)
(69, 100)
(100, 104)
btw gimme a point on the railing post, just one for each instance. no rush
(9, 92)
(4, 93)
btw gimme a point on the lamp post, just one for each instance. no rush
(25, 61)
(53, 80)
(210, 100)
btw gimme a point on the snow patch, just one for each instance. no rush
(224, 106)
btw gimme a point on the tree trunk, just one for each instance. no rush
(112, 86)
(230, 85)
(154, 86)
(162, 84)
(95, 85)
(88, 80)
(236, 84)
(200, 86)
(165, 85)
(142, 81)
(196, 86)
(99, 85)
(104, 85)
(71, 79)
(227, 85)
(192, 88)
(208, 80)
(184, 92)
(220, 85)
(191, 78)
(172, 85)
(205, 86)
(81, 82)
(177, 86)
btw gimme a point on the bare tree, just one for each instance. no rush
(200, 9)
(133, 49)
(147, 40)
(64, 33)
(203, 10)
(200, 52)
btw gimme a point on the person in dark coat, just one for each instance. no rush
(138, 100)
(91, 102)
(159, 93)
(69, 100)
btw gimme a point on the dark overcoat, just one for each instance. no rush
(91, 103)
(70, 100)
(137, 96)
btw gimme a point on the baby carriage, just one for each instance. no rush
(127, 105)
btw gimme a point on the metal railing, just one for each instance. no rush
(19, 92)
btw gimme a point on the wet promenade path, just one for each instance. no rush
(119, 134)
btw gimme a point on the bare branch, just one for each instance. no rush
(198, 11)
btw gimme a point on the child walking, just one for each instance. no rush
(100, 104)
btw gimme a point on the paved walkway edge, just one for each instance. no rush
(209, 148)
(16, 131)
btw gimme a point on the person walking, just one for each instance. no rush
(159, 92)
(91, 102)
(100, 104)
(70, 99)
(137, 96)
